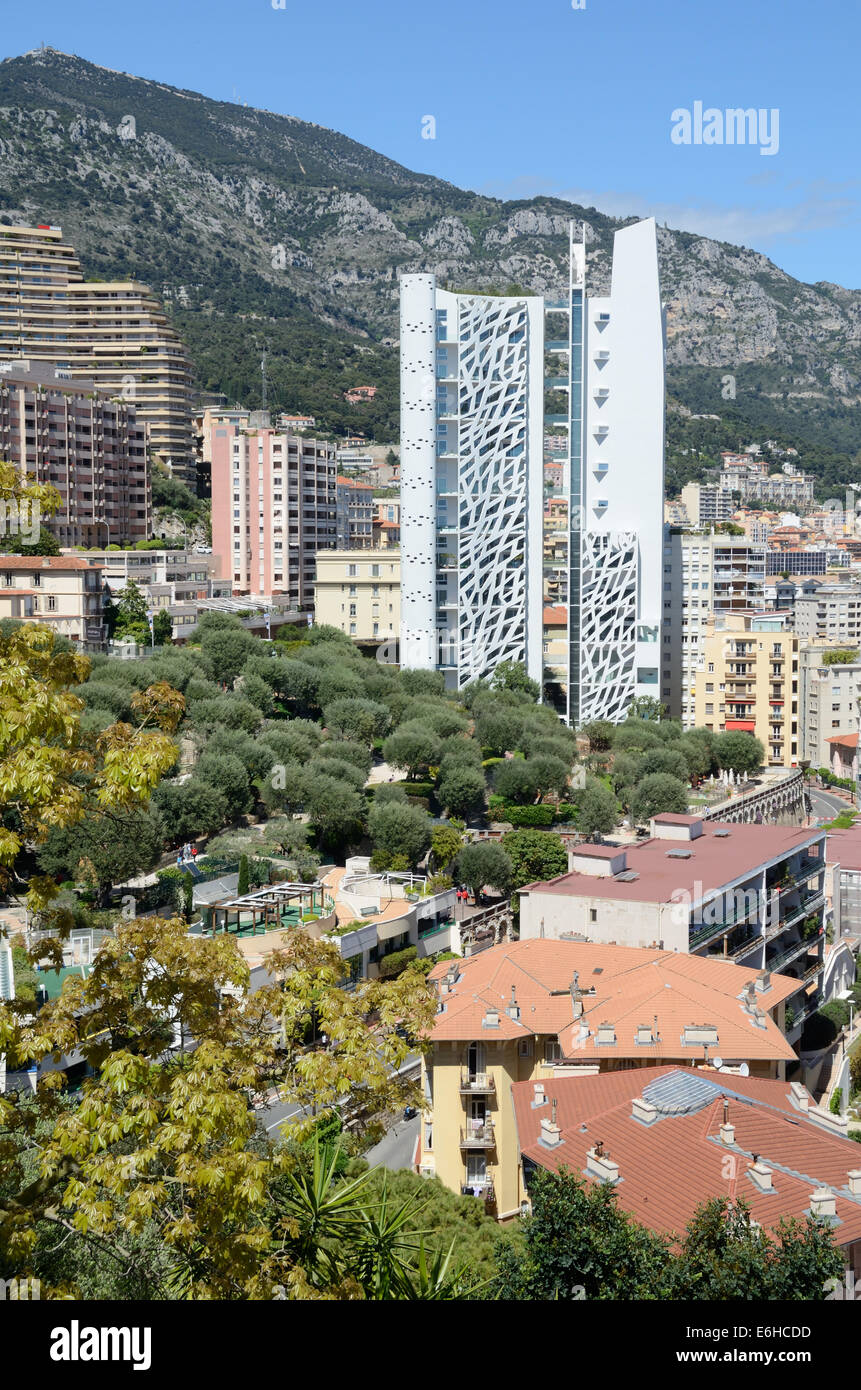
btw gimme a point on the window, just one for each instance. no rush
(52, 604)
(552, 1052)
(352, 572)
(593, 914)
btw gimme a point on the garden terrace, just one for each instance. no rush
(277, 907)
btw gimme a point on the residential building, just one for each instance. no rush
(843, 759)
(707, 503)
(273, 508)
(748, 680)
(673, 1138)
(800, 561)
(703, 575)
(62, 592)
(474, 479)
(355, 513)
(114, 334)
(612, 358)
(204, 421)
(844, 873)
(360, 393)
(386, 523)
(752, 894)
(472, 395)
(291, 423)
(829, 613)
(789, 488)
(359, 591)
(180, 582)
(556, 643)
(531, 1012)
(90, 448)
(828, 700)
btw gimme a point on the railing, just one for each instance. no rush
(479, 1137)
(479, 1187)
(785, 956)
(476, 1083)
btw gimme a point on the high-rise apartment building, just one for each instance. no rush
(91, 449)
(472, 402)
(707, 503)
(748, 681)
(703, 574)
(112, 333)
(613, 478)
(489, 539)
(273, 508)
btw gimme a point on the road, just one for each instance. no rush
(825, 805)
(397, 1148)
(274, 1112)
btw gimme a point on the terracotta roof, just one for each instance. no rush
(713, 861)
(42, 562)
(844, 846)
(668, 1168)
(847, 740)
(632, 986)
(555, 616)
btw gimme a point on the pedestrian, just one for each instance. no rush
(179, 861)
(194, 851)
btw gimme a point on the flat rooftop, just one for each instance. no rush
(722, 855)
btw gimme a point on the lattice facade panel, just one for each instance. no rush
(608, 624)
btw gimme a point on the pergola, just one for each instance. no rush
(274, 908)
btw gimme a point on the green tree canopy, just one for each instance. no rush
(397, 830)
(412, 747)
(739, 751)
(658, 793)
(484, 864)
(535, 855)
(461, 788)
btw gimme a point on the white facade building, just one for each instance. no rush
(616, 480)
(472, 401)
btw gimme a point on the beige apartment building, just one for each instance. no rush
(59, 591)
(112, 333)
(540, 1010)
(359, 591)
(748, 680)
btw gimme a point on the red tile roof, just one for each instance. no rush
(41, 562)
(668, 1168)
(632, 987)
(846, 740)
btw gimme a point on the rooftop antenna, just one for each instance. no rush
(263, 376)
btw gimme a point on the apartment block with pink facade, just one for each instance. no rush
(274, 505)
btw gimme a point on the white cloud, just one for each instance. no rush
(743, 226)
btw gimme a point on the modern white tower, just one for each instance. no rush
(472, 411)
(612, 478)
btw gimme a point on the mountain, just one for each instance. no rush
(265, 231)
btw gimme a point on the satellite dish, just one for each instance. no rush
(717, 1062)
(744, 1069)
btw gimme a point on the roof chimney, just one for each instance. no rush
(491, 1019)
(599, 1165)
(727, 1131)
(763, 981)
(823, 1202)
(760, 1175)
(799, 1095)
(549, 1136)
(854, 1176)
(539, 1098)
(643, 1110)
(513, 1009)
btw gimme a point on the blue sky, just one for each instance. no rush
(533, 96)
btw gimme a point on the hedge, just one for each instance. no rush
(414, 788)
(392, 964)
(529, 815)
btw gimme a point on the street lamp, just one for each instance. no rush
(150, 613)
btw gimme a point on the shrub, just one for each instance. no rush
(397, 961)
(529, 815)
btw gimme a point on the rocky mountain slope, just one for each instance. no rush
(265, 231)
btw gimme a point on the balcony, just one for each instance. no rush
(479, 1187)
(479, 1083)
(478, 1137)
